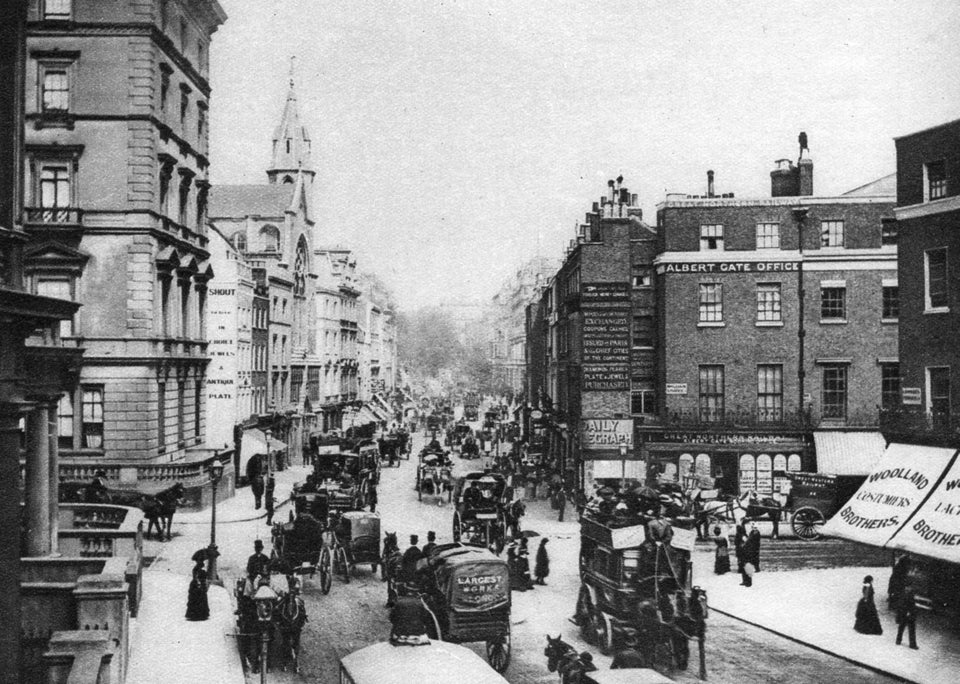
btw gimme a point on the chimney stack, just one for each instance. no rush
(710, 184)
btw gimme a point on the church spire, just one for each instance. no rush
(291, 142)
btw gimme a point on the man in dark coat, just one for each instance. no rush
(542, 567)
(258, 563)
(268, 498)
(431, 543)
(372, 497)
(408, 565)
(255, 478)
(739, 537)
(907, 617)
(750, 554)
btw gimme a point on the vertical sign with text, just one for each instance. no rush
(606, 336)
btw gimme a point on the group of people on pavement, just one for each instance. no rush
(746, 546)
(518, 563)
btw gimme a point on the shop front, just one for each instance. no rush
(607, 455)
(733, 462)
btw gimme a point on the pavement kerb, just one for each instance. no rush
(853, 661)
(221, 521)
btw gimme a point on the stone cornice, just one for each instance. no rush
(121, 30)
(940, 206)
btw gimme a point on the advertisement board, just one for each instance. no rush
(606, 336)
(603, 433)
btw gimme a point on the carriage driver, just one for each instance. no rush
(259, 563)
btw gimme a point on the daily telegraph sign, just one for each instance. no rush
(602, 433)
(730, 267)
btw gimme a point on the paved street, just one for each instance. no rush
(353, 615)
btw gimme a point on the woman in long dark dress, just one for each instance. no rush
(868, 621)
(721, 563)
(197, 606)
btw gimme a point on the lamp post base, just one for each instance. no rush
(212, 576)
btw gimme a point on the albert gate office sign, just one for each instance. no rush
(604, 433)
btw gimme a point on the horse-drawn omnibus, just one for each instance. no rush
(355, 539)
(482, 501)
(466, 592)
(434, 475)
(385, 663)
(635, 585)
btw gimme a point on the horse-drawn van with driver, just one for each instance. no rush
(484, 506)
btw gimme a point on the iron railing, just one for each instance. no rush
(53, 215)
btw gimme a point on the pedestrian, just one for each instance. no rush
(721, 563)
(255, 478)
(198, 608)
(542, 567)
(867, 619)
(523, 565)
(431, 543)
(753, 540)
(372, 496)
(739, 537)
(898, 581)
(561, 504)
(268, 498)
(907, 616)
(408, 565)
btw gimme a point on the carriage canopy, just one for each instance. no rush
(472, 578)
(438, 661)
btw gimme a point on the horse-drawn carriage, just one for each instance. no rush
(158, 508)
(394, 446)
(434, 475)
(491, 419)
(348, 476)
(483, 504)
(355, 539)
(635, 591)
(466, 593)
(286, 623)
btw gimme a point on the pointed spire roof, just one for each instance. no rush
(291, 141)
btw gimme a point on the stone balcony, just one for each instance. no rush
(76, 605)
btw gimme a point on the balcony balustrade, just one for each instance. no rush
(755, 418)
(934, 427)
(57, 217)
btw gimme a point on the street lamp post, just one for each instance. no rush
(265, 598)
(623, 467)
(216, 472)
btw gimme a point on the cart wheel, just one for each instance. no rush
(807, 523)
(583, 614)
(456, 527)
(603, 631)
(326, 572)
(342, 567)
(498, 652)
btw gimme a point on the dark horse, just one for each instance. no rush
(563, 659)
(289, 616)
(390, 563)
(159, 509)
(758, 508)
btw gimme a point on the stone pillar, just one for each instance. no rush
(37, 485)
(53, 435)
(102, 604)
(10, 549)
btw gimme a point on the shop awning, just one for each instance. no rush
(381, 402)
(255, 442)
(377, 411)
(848, 453)
(909, 501)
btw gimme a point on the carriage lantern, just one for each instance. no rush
(265, 599)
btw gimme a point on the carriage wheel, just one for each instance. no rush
(341, 565)
(498, 652)
(326, 572)
(603, 631)
(583, 613)
(457, 527)
(807, 523)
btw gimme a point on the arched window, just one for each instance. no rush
(703, 465)
(300, 266)
(270, 237)
(793, 463)
(764, 474)
(686, 465)
(240, 242)
(748, 473)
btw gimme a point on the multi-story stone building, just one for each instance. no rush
(928, 222)
(116, 201)
(271, 226)
(507, 322)
(777, 331)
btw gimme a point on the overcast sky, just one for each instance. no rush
(453, 139)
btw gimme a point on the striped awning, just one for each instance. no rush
(848, 453)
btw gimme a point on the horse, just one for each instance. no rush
(289, 616)
(248, 626)
(564, 659)
(758, 507)
(159, 509)
(390, 563)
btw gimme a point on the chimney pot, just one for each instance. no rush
(710, 184)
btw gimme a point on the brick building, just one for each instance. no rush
(928, 220)
(778, 330)
(596, 321)
(115, 191)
